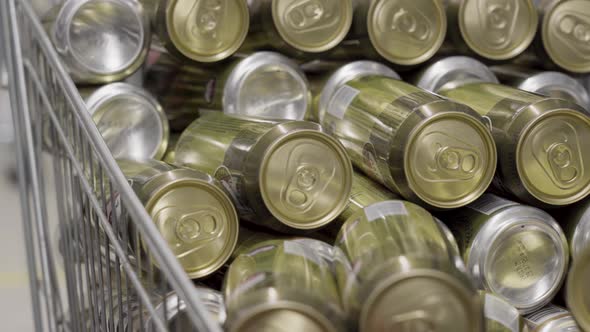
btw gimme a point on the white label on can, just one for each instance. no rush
(341, 100)
(544, 314)
(489, 204)
(496, 310)
(383, 209)
(298, 249)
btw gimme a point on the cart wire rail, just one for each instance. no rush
(106, 267)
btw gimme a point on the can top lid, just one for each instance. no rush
(407, 32)
(305, 179)
(201, 234)
(207, 31)
(527, 258)
(563, 323)
(498, 30)
(130, 120)
(551, 159)
(557, 85)
(452, 69)
(347, 73)
(577, 290)
(566, 35)
(312, 26)
(433, 301)
(450, 157)
(267, 85)
(92, 29)
(282, 319)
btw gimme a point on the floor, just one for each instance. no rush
(15, 304)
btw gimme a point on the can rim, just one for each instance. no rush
(254, 61)
(479, 126)
(233, 221)
(298, 308)
(545, 28)
(569, 109)
(508, 54)
(380, 288)
(510, 219)
(347, 181)
(429, 53)
(113, 91)
(565, 83)
(346, 73)
(444, 71)
(187, 51)
(574, 297)
(345, 26)
(63, 38)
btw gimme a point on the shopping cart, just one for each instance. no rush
(95, 259)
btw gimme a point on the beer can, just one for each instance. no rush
(99, 41)
(500, 315)
(394, 250)
(515, 251)
(262, 84)
(542, 162)
(577, 291)
(298, 28)
(551, 319)
(494, 30)
(190, 209)
(130, 120)
(169, 156)
(548, 83)
(200, 31)
(564, 34)
(404, 33)
(285, 175)
(281, 285)
(427, 149)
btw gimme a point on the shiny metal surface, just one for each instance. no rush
(280, 285)
(296, 176)
(515, 251)
(496, 30)
(453, 70)
(100, 41)
(130, 120)
(575, 220)
(551, 319)
(500, 315)
(388, 125)
(564, 33)
(262, 85)
(548, 83)
(397, 251)
(577, 291)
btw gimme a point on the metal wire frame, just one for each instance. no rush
(108, 244)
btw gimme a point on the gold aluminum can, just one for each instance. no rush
(394, 250)
(577, 291)
(283, 175)
(280, 285)
(564, 33)
(543, 161)
(364, 192)
(500, 315)
(430, 150)
(298, 28)
(202, 31)
(190, 209)
(551, 319)
(492, 29)
(514, 251)
(261, 84)
(170, 154)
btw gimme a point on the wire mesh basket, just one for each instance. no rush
(92, 249)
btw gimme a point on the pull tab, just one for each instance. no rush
(488, 122)
(308, 15)
(498, 18)
(202, 225)
(574, 30)
(207, 16)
